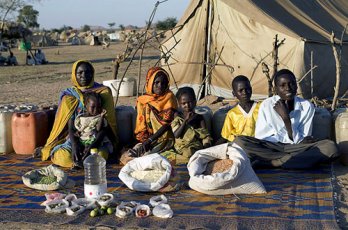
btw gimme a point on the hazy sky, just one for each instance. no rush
(76, 13)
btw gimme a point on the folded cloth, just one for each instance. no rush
(47, 178)
(239, 179)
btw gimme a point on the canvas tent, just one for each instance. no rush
(217, 40)
(75, 40)
(41, 40)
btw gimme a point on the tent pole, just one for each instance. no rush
(312, 73)
(207, 66)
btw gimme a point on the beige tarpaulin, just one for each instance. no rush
(241, 37)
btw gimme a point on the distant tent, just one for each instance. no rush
(114, 36)
(54, 36)
(75, 40)
(94, 41)
(42, 40)
(63, 36)
(219, 39)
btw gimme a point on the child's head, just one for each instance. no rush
(241, 88)
(186, 98)
(285, 84)
(93, 103)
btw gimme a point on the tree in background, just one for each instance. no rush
(8, 7)
(111, 25)
(28, 16)
(86, 28)
(61, 29)
(122, 27)
(166, 24)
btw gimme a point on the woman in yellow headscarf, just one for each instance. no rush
(71, 104)
(155, 112)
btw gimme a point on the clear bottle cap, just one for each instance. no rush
(94, 151)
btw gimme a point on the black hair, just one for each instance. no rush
(282, 72)
(186, 90)
(239, 78)
(92, 96)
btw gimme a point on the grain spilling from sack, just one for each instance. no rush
(147, 176)
(218, 166)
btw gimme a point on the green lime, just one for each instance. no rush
(93, 213)
(104, 208)
(110, 211)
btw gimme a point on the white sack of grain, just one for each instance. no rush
(239, 179)
(146, 173)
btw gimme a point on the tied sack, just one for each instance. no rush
(239, 179)
(47, 179)
(145, 165)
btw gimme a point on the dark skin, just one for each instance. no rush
(187, 104)
(84, 74)
(79, 151)
(160, 86)
(242, 91)
(286, 88)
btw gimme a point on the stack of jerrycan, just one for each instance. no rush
(322, 124)
(207, 114)
(125, 120)
(341, 133)
(29, 130)
(6, 112)
(219, 119)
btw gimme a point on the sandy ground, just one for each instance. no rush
(41, 84)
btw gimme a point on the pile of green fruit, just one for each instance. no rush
(102, 211)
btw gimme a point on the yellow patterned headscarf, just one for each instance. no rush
(160, 102)
(163, 105)
(73, 74)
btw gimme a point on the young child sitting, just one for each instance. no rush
(189, 127)
(241, 119)
(89, 130)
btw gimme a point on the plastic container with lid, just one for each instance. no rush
(322, 124)
(95, 183)
(207, 114)
(341, 134)
(29, 130)
(126, 88)
(6, 133)
(218, 121)
(125, 125)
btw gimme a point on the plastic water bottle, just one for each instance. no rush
(95, 175)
